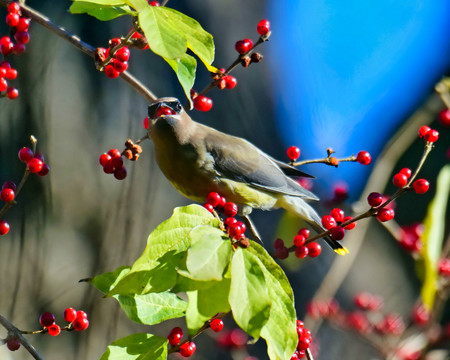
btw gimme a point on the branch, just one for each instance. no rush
(16, 333)
(80, 45)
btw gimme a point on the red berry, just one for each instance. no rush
(421, 186)
(108, 168)
(431, 136)
(374, 199)
(54, 330)
(282, 253)
(12, 93)
(47, 319)
(420, 315)
(299, 240)
(174, 338)
(263, 27)
(230, 209)
(80, 323)
(13, 343)
(203, 103)
(303, 343)
(120, 66)
(187, 349)
(314, 249)
(23, 24)
(328, 222)
(337, 233)
(406, 171)
(4, 227)
(120, 173)
(293, 153)
(349, 226)
(153, 3)
(11, 74)
(114, 153)
(110, 72)
(7, 49)
(81, 314)
(22, 37)
(213, 198)
(12, 19)
(230, 81)
(444, 117)
(117, 162)
(304, 232)
(5, 41)
(444, 267)
(423, 130)
(222, 202)
(7, 195)
(243, 46)
(9, 185)
(385, 214)
(123, 54)
(70, 314)
(400, 180)
(216, 325)
(235, 230)
(364, 158)
(301, 252)
(338, 214)
(208, 207)
(35, 165)
(278, 243)
(114, 42)
(14, 8)
(104, 158)
(44, 171)
(362, 300)
(19, 49)
(230, 221)
(3, 84)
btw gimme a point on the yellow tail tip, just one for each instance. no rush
(342, 251)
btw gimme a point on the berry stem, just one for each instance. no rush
(326, 161)
(89, 50)
(18, 334)
(309, 354)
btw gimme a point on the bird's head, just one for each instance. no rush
(163, 107)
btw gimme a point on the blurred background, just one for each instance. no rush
(346, 76)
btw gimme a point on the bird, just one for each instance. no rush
(198, 159)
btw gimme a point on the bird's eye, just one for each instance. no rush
(179, 106)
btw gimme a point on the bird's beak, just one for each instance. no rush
(153, 110)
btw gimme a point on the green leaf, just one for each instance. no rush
(249, 296)
(280, 331)
(137, 347)
(185, 283)
(433, 237)
(103, 2)
(106, 281)
(209, 254)
(101, 12)
(152, 308)
(198, 40)
(139, 5)
(156, 269)
(204, 304)
(184, 67)
(163, 37)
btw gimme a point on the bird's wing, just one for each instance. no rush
(290, 170)
(238, 160)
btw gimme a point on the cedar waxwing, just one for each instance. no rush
(198, 159)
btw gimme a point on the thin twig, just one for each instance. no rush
(80, 45)
(326, 161)
(12, 330)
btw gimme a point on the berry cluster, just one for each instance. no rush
(430, 135)
(186, 349)
(77, 320)
(312, 249)
(333, 223)
(384, 214)
(444, 267)
(401, 179)
(232, 339)
(304, 341)
(410, 238)
(222, 79)
(112, 163)
(114, 58)
(236, 229)
(19, 28)
(35, 164)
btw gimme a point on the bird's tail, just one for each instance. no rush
(305, 211)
